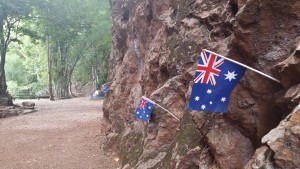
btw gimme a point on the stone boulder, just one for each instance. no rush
(288, 71)
(284, 141)
(28, 105)
(9, 111)
(155, 49)
(263, 158)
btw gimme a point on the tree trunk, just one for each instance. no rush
(5, 98)
(62, 83)
(3, 86)
(70, 72)
(70, 85)
(50, 69)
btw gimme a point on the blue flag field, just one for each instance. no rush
(105, 88)
(214, 80)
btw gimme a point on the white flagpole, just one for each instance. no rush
(241, 64)
(108, 82)
(160, 107)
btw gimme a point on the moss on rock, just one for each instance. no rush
(187, 138)
(131, 148)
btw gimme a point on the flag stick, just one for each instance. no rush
(241, 64)
(167, 111)
(108, 82)
(161, 107)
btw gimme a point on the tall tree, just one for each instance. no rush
(75, 29)
(49, 60)
(76, 32)
(11, 13)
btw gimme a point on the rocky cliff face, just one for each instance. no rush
(156, 44)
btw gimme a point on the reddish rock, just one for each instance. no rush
(156, 45)
(284, 141)
(288, 70)
(230, 147)
(263, 35)
(293, 94)
(263, 158)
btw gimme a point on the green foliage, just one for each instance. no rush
(84, 29)
(79, 34)
(26, 66)
(12, 87)
(98, 55)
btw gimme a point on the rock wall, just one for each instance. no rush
(156, 44)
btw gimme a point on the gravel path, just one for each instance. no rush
(63, 134)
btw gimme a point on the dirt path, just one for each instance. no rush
(63, 134)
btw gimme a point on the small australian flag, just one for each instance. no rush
(105, 88)
(144, 109)
(214, 80)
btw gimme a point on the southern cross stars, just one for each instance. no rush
(230, 75)
(209, 91)
(197, 98)
(223, 99)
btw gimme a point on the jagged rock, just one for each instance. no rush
(263, 158)
(127, 166)
(259, 43)
(293, 94)
(230, 147)
(152, 162)
(197, 156)
(284, 141)
(189, 149)
(240, 3)
(288, 70)
(111, 139)
(156, 45)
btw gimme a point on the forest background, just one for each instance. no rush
(54, 45)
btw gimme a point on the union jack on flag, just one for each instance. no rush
(214, 80)
(209, 68)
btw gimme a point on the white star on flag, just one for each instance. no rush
(203, 107)
(210, 102)
(209, 91)
(197, 98)
(223, 99)
(230, 75)
(149, 107)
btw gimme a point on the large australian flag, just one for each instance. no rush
(144, 109)
(214, 80)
